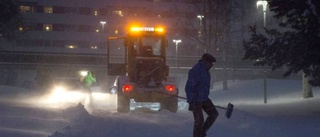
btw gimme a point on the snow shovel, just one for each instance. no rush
(229, 108)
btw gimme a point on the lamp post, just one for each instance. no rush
(177, 41)
(200, 17)
(103, 23)
(102, 35)
(264, 6)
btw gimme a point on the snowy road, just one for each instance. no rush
(23, 121)
(285, 115)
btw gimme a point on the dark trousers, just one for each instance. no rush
(200, 126)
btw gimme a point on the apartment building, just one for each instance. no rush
(82, 26)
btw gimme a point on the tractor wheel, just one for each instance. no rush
(123, 104)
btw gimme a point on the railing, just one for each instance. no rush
(52, 58)
(29, 58)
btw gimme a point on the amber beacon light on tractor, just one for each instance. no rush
(138, 61)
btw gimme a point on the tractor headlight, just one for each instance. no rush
(59, 89)
(58, 92)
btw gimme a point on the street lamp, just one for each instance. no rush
(102, 35)
(200, 17)
(264, 6)
(103, 23)
(177, 41)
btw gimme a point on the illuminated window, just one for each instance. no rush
(47, 27)
(25, 9)
(47, 9)
(118, 12)
(71, 46)
(116, 31)
(95, 13)
(94, 47)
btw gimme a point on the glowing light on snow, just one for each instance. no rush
(60, 96)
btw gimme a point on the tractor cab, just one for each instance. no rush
(139, 62)
(142, 56)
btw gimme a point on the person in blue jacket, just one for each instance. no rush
(197, 90)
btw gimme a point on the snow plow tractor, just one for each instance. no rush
(139, 62)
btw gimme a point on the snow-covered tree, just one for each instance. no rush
(294, 45)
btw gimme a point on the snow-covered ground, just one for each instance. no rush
(24, 113)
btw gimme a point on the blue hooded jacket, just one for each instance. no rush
(198, 84)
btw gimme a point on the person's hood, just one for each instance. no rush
(203, 64)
